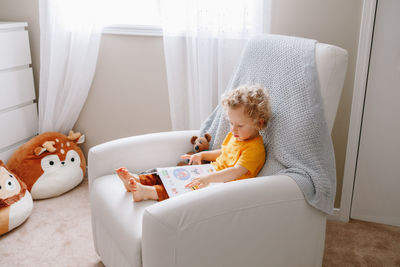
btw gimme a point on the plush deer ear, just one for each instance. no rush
(81, 139)
(1, 163)
(194, 138)
(39, 150)
(207, 136)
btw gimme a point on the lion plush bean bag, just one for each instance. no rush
(15, 201)
(50, 164)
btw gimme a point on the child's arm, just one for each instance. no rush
(221, 176)
(211, 155)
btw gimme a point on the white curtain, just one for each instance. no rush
(203, 40)
(70, 32)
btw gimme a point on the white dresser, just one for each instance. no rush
(18, 110)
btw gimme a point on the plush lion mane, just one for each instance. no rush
(11, 200)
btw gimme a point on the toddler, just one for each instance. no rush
(242, 153)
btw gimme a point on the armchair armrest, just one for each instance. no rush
(138, 153)
(242, 223)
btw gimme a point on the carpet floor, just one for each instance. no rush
(58, 233)
(359, 243)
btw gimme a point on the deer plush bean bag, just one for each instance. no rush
(50, 164)
(15, 201)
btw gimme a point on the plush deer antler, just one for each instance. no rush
(48, 145)
(73, 136)
(77, 137)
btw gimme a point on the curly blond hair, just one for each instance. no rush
(254, 99)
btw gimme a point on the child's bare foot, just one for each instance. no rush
(125, 170)
(144, 192)
(125, 177)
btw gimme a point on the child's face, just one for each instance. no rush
(242, 126)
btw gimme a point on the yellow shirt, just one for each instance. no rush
(249, 154)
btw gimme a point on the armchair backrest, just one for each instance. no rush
(331, 64)
(304, 79)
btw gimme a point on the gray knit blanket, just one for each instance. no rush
(297, 140)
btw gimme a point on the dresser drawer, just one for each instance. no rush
(16, 87)
(14, 49)
(6, 153)
(17, 125)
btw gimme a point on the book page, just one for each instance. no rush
(175, 178)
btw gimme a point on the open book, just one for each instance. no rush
(175, 178)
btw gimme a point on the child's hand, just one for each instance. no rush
(193, 159)
(199, 182)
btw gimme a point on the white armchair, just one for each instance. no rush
(254, 222)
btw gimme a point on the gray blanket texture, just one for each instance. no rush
(296, 139)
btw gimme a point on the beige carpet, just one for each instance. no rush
(359, 243)
(58, 233)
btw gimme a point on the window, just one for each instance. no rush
(134, 17)
(143, 17)
(136, 12)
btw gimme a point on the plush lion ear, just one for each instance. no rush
(207, 136)
(194, 138)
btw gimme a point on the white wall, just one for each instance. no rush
(129, 92)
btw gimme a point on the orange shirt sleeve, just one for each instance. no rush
(252, 158)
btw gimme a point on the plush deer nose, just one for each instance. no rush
(196, 148)
(62, 162)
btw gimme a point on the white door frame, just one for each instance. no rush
(357, 107)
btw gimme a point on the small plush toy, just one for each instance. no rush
(15, 201)
(201, 143)
(50, 164)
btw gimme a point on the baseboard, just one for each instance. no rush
(335, 216)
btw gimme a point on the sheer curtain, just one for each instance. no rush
(70, 32)
(203, 40)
